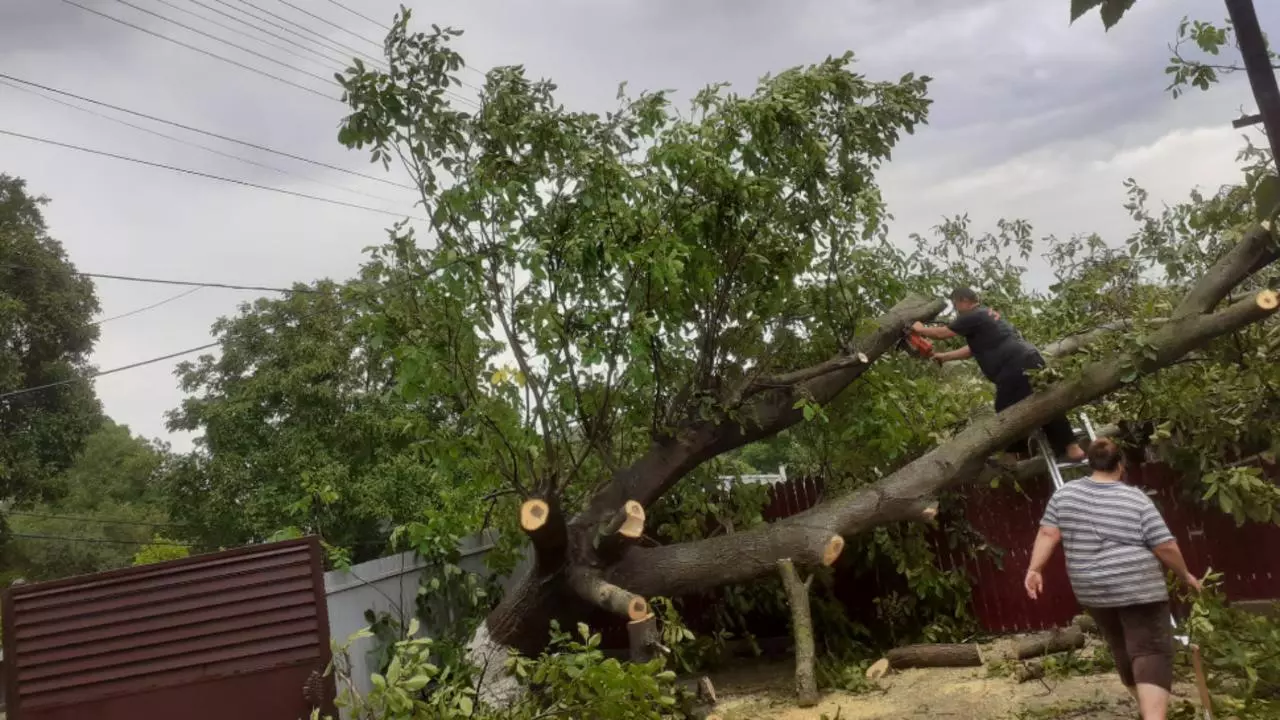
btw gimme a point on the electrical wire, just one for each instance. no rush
(207, 133)
(344, 47)
(202, 51)
(242, 33)
(165, 281)
(246, 23)
(331, 23)
(183, 141)
(77, 518)
(357, 14)
(209, 176)
(322, 41)
(100, 373)
(228, 43)
(180, 353)
(152, 306)
(106, 541)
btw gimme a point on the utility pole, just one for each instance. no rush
(1257, 65)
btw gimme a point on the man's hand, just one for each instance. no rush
(1193, 582)
(995, 314)
(917, 326)
(1034, 583)
(938, 360)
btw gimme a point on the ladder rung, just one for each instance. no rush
(1073, 465)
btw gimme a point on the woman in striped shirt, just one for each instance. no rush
(1115, 542)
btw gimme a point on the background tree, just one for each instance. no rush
(669, 287)
(108, 505)
(46, 335)
(303, 429)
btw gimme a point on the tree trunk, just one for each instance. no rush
(570, 570)
(1054, 641)
(644, 639)
(802, 629)
(923, 656)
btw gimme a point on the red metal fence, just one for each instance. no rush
(1007, 518)
(236, 634)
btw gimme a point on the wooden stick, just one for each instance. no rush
(1202, 684)
(942, 655)
(1054, 641)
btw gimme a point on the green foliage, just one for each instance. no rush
(846, 675)
(1241, 653)
(1209, 39)
(1110, 10)
(108, 503)
(160, 550)
(303, 432)
(46, 314)
(571, 679)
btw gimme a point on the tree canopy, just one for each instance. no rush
(46, 336)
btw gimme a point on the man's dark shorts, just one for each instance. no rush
(1141, 640)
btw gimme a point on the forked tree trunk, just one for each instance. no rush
(802, 630)
(595, 558)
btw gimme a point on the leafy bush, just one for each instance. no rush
(572, 678)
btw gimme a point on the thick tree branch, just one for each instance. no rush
(1256, 250)
(591, 586)
(542, 520)
(1075, 343)
(787, 380)
(770, 411)
(701, 565)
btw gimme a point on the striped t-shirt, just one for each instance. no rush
(1108, 531)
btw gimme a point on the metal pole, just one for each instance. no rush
(1257, 65)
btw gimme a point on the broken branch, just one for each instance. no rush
(591, 586)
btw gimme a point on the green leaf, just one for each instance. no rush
(1266, 197)
(1113, 10)
(1080, 7)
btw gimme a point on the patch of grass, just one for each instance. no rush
(1060, 711)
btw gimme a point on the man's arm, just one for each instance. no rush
(1171, 556)
(936, 332)
(963, 353)
(1163, 545)
(1047, 540)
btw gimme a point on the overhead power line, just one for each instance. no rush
(152, 306)
(242, 33)
(331, 24)
(102, 541)
(228, 43)
(185, 283)
(202, 51)
(184, 141)
(207, 133)
(197, 173)
(323, 39)
(78, 518)
(101, 373)
(357, 14)
(246, 23)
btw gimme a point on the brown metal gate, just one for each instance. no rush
(235, 634)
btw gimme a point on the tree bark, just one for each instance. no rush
(922, 656)
(569, 558)
(802, 629)
(1054, 641)
(644, 639)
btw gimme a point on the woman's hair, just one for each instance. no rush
(1104, 455)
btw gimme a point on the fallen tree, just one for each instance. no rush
(668, 290)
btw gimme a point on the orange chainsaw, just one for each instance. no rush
(919, 345)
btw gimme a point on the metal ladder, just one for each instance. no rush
(1085, 431)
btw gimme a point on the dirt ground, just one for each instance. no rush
(761, 691)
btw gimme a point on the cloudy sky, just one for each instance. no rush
(1033, 118)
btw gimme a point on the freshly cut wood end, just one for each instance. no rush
(930, 512)
(534, 514)
(862, 358)
(832, 551)
(1267, 300)
(633, 526)
(638, 609)
(706, 691)
(878, 669)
